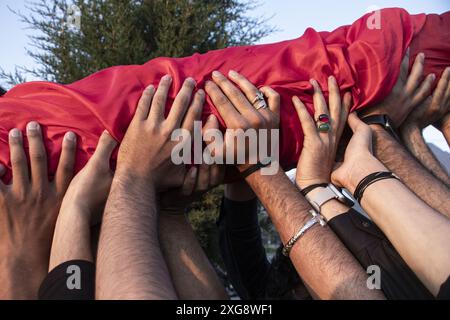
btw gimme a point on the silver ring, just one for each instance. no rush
(258, 97)
(261, 105)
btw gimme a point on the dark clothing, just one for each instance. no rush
(370, 246)
(444, 291)
(243, 253)
(71, 280)
(242, 249)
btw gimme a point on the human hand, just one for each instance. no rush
(409, 91)
(434, 108)
(359, 161)
(319, 148)
(237, 111)
(88, 191)
(197, 181)
(28, 211)
(145, 152)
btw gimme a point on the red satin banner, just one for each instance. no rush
(365, 59)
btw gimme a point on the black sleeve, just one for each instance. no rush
(370, 246)
(241, 247)
(71, 280)
(444, 291)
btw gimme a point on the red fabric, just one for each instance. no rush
(364, 61)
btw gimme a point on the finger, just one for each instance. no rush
(211, 124)
(320, 105)
(362, 130)
(308, 125)
(334, 102)
(64, 172)
(194, 111)
(225, 108)
(18, 159)
(105, 147)
(158, 105)
(38, 155)
(442, 87)
(424, 90)
(346, 106)
(236, 97)
(273, 99)
(144, 103)
(415, 76)
(188, 186)
(181, 103)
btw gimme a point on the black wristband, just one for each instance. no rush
(371, 178)
(253, 169)
(310, 188)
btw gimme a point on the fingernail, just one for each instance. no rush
(150, 88)
(15, 133)
(332, 78)
(191, 81)
(32, 126)
(233, 74)
(210, 118)
(166, 77)
(432, 76)
(201, 92)
(70, 136)
(314, 84)
(421, 56)
(217, 74)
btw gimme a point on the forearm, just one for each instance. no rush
(193, 276)
(130, 264)
(414, 141)
(319, 257)
(71, 239)
(416, 177)
(418, 233)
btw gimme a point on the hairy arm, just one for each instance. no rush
(193, 276)
(416, 177)
(320, 258)
(414, 141)
(130, 264)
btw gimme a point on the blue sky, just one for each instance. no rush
(291, 17)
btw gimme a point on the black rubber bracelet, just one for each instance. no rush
(371, 178)
(253, 169)
(310, 188)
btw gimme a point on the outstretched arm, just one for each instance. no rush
(397, 159)
(193, 276)
(320, 258)
(412, 227)
(130, 264)
(432, 110)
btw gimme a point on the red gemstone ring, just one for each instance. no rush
(323, 123)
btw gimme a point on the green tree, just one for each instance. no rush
(121, 32)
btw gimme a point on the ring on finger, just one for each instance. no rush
(323, 122)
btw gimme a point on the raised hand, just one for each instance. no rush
(28, 211)
(319, 147)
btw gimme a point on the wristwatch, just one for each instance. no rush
(382, 120)
(322, 195)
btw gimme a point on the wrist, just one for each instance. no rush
(366, 167)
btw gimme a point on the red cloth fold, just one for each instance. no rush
(364, 61)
